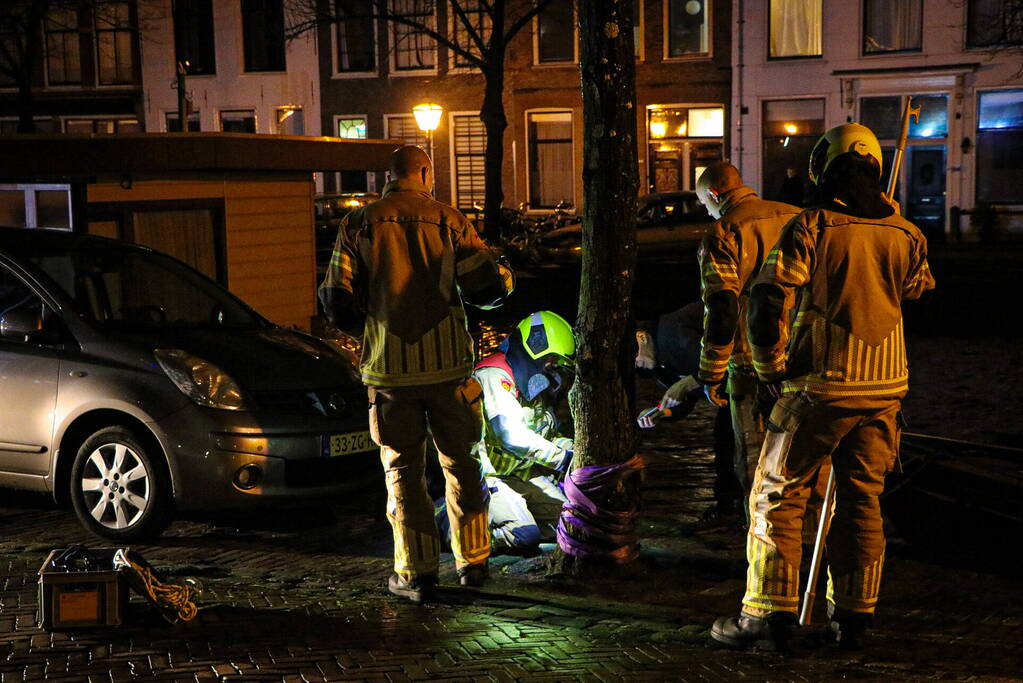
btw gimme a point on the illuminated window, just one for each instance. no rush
(555, 33)
(290, 121)
(707, 123)
(883, 115)
(551, 159)
(790, 130)
(891, 25)
(470, 145)
(795, 28)
(351, 127)
(355, 37)
(263, 35)
(403, 127)
(115, 43)
(412, 48)
(1000, 146)
(63, 48)
(686, 32)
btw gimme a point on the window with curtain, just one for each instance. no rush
(686, 28)
(555, 33)
(891, 25)
(481, 22)
(1000, 146)
(795, 28)
(115, 38)
(412, 48)
(63, 47)
(992, 23)
(790, 130)
(194, 39)
(263, 35)
(354, 37)
(404, 127)
(551, 168)
(470, 145)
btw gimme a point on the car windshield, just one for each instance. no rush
(686, 207)
(140, 290)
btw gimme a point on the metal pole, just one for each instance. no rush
(810, 595)
(182, 99)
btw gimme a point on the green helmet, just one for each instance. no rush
(546, 332)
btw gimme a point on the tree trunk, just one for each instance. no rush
(601, 396)
(494, 120)
(30, 59)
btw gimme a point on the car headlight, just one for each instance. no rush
(200, 380)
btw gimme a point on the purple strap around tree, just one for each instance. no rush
(596, 532)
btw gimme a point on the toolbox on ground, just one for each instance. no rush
(81, 587)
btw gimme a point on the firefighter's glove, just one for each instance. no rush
(715, 393)
(682, 396)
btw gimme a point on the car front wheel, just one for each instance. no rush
(120, 488)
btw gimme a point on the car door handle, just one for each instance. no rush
(77, 373)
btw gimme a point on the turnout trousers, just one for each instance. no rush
(860, 437)
(400, 419)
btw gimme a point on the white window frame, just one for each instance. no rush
(575, 43)
(388, 117)
(174, 110)
(575, 180)
(335, 74)
(887, 53)
(221, 110)
(104, 117)
(370, 175)
(709, 23)
(641, 44)
(68, 86)
(392, 69)
(454, 157)
(136, 66)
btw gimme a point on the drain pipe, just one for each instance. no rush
(740, 23)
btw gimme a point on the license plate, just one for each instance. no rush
(346, 444)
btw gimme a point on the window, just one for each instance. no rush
(1000, 146)
(891, 25)
(992, 23)
(790, 129)
(238, 121)
(469, 145)
(351, 128)
(404, 127)
(101, 126)
(115, 43)
(412, 49)
(555, 33)
(194, 44)
(883, 115)
(551, 159)
(43, 125)
(263, 35)
(354, 37)
(36, 206)
(795, 28)
(18, 301)
(290, 121)
(174, 124)
(685, 27)
(637, 27)
(480, 20)
(682, 141)
(9, 44)
(63, 48)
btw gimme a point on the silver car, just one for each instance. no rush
(134, 387)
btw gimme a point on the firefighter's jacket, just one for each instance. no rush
(826, 315)
(520, 437)
(731, 255)
(406, 262)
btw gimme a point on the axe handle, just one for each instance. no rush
(810, 595)
(900, 147)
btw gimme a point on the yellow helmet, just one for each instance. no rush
(547, 332)
(849, 137)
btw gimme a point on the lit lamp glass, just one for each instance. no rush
(658, 129)
(427, 116)
(791, 128)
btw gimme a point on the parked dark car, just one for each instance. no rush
(330, 209)
(133, 386)
(668, 225)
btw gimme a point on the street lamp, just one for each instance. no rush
(428, 118)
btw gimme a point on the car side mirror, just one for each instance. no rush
(20, 324)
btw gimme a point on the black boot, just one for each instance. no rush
(763, 633)
(849, 628)
(474, 575)
(419, 590)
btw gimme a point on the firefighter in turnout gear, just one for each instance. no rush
(400, 271)
(521, 454)
(826, 328)
(730, 256)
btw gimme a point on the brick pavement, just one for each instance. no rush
(303, 599)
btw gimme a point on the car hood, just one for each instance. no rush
(259, 360)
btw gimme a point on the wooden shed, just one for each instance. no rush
(238, 207)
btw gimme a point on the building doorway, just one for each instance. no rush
(925, 188)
